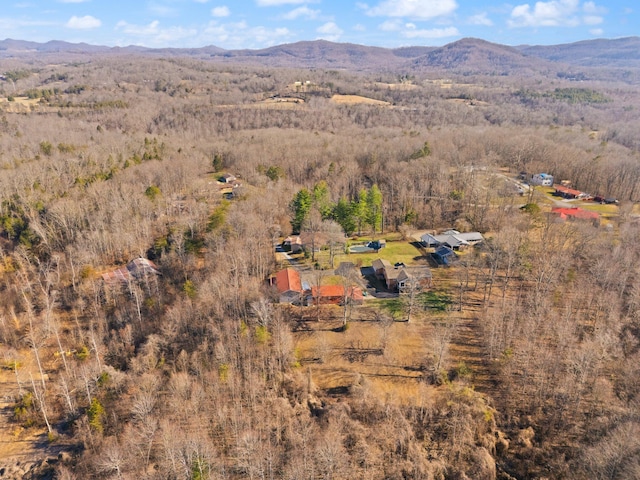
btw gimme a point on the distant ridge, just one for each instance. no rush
(620, 52)
(465, 56)
(475, 56)
(52, 46)
(321, 53)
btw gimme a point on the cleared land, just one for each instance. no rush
(357, 99)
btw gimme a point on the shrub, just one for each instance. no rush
(223, 372)
(82, 353)
(152, 192)
(262, 334)
(95, 414)
(189, 289)
(531, 208)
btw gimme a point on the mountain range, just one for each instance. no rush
(465, 56)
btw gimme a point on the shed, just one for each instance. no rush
(228, 178)
(444, 256)
(292, 244)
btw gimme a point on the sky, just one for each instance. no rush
(254, 24)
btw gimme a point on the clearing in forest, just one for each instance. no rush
(396, 359)
(21, 443)
(357, 99)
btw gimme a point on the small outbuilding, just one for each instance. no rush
(444, 256)
(292, 244)
(228, 178)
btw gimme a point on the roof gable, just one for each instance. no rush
(288, 280)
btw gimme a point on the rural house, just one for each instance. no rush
(575, 213)
(136, 269)
(452, 239)
(421, 275)
(399, 276)
(566, 192)
(542, 179)
(288, 285)
(379, 266)
(334, 295)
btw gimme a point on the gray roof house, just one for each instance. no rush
(452, 239)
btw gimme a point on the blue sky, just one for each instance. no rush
(233, 24)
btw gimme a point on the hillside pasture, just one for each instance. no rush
(356, 100)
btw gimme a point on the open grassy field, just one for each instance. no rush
(356, 99)
(19, 104)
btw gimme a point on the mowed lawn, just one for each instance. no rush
(397, 250)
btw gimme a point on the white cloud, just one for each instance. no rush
(73, 1)
(358, 27)
(162, 10)
(272, 3)
(596, 32)
(10, 24)
(224, 34)
(201, 1)
(235, 35)
(592, 8)
(554, 13)
(593, 13)
(481, 19)
(390, 26)
(83, 23)
(304, 12)
(222, 11)
(419, 9)
(153, 35)
(413, 32)
(131, 29)
(592, 20)
(330, 31)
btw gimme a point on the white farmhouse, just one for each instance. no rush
(543, 179)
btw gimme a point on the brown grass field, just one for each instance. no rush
(357, 99)
(389, 357)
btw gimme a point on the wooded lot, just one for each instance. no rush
(141, 337)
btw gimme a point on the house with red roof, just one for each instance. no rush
(566, 192)
(334, 295)
(575, 213)
(288, 285)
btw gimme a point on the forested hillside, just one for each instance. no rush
(521, 360)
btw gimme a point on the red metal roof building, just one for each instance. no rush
(335, 294)
(575, 213)
(288, 279)
(288, 285)
(567, 192)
